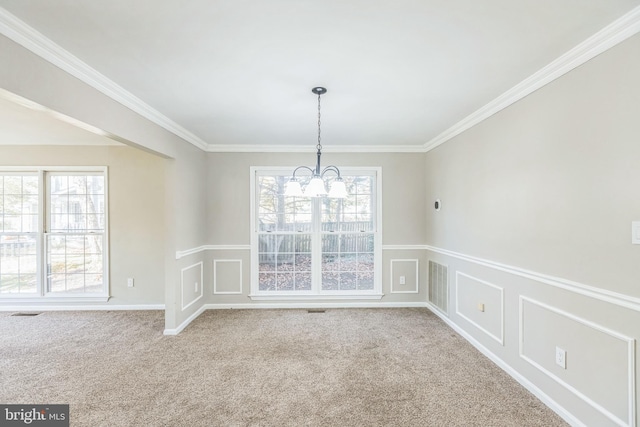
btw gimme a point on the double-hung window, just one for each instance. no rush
(53, 240)
(315, 247)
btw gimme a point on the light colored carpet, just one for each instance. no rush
(345, 367)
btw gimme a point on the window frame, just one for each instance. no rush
(42, 293)
(316, 292)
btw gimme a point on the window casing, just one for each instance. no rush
(315, 247)
(53, 233)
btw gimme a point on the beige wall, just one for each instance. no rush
(550, 185)
(403, 187)
(229, 223)
(136, 211)
(186, 206)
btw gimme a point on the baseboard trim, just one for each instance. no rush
(299, 305)
(84, 307)
(186, 322)
(544, 398)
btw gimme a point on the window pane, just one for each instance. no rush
(59, 184)
(348, 262)
(364, 184)
(93, 283)
(77, 184)
(365, 243)
(72, 207)
(348, 281)
(12, 223)
(303, 262)
(93, 263)
(303, 282)
(285, 262)
(13, 204)
(365, 262)
(330, 243)
(13, 184)
(18, 263)
(75, 263)
(284, 281)
(28, 264)
(30, 223)
(75, 283)
(95, 184)
(9, 283)
(266, 262)
(330, 262)
(330, 281)
(267, 281)
(365, 281)
(57, 283)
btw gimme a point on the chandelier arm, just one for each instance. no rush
(331, 168)
(302, 167)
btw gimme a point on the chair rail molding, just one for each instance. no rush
(616, 298)
(192, 251)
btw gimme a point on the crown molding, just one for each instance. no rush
(36, 42)
(246, 148)
(614, 33)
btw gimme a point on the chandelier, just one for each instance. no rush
(316, 187)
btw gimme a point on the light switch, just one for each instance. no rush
(635, 232)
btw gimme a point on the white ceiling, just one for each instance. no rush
(239, 73)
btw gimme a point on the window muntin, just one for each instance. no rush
(52, 233)
(308, 246)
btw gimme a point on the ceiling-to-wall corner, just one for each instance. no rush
(614, 33)
(26, 36)
(310, 148)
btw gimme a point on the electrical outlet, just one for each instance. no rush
(195, 287)
(561, 358)
(403, 280)
(130, 282)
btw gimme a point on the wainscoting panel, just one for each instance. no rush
(409, 269)
(227, 276)
(191, 281)
(607, 387)
(481, 304)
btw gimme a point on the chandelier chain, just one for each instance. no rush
(319, 146)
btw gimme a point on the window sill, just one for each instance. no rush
(308, 297)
